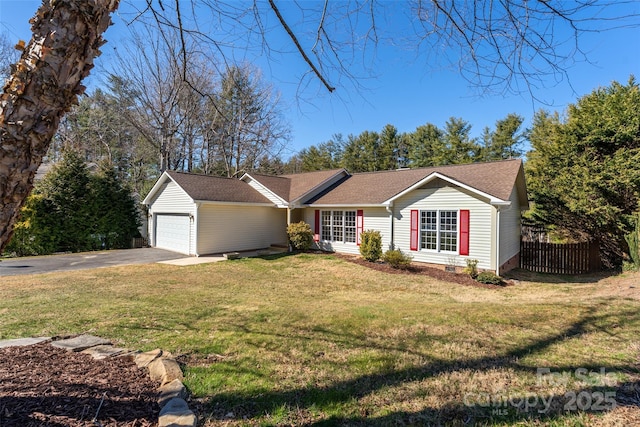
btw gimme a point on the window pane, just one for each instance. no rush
(326, 225)
(350, 226)
(429, 240)
(449, 231)
(428, 230)
(338, 226)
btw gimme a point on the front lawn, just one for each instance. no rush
(316, 340)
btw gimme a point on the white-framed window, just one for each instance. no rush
(350, 226)
(439, 230)
(338, 226)
(326, 233)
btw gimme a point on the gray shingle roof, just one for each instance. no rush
(293, 186)
(494, 178)
(217, 189)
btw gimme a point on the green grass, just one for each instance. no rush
(316, 340)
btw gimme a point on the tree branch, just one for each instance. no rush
(299, 47)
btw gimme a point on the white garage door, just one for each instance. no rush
(172, 232)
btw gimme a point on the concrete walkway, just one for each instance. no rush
(193, 260)
(205, 259)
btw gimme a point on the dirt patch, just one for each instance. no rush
(43, 385)
(420, 270)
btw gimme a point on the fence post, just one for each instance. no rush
(595, 263)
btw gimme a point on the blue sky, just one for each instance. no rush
(407, 89)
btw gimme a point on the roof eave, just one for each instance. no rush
(344, 205)
(219, 202)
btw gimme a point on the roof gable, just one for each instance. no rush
(304, 183)
(207, 188)
(293, 187)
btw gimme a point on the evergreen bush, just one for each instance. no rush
(300, 236)
(633, 240)
(489, 278)
(371, 245)
(74, 210)
(397, 259)
(472, 268)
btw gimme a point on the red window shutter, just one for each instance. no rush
(359, 225)
(316, 227)
(414, 231)
(464, 232)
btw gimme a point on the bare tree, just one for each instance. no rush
(512, 46)
(8, 55)
(245, 123)
(501, 43)
(150, 72)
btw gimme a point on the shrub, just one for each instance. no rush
(472, 268)
(397, 259)
(300, 235)
(371, 245)
(633, 241)
(489, 278)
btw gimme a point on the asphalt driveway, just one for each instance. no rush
(83, 261)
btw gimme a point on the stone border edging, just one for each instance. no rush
(162, 368)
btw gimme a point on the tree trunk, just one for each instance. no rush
(44, 84)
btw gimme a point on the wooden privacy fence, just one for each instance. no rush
(560, 258)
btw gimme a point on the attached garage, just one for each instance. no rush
(173, 232)
(201, 215)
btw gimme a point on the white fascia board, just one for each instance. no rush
(283, 203)
(295, 202)
(212, 202)
(492, 199)
(356, 205)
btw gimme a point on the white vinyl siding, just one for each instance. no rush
(510, 229)
(446, 198)
(225, 228)
(171, 200)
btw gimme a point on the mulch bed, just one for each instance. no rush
(41, 385)
(417, 269)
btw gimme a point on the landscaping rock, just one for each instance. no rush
(172, 390)
(165, 371)
(81, 342)
(100, 352)
(231, 255)
(143, 359)
(20, 342)
(176, 413)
